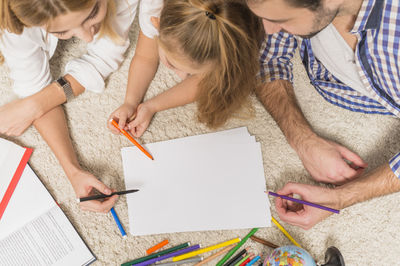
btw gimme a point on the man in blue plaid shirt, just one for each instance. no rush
(350, 49)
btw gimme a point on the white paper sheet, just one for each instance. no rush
(33, 229)
(206, 182)
(29, 200)
(49, 239)
(10, 157)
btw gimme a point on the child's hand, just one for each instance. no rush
(121, 115)
(144, 114)
(83, 184)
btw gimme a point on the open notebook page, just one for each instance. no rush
(35, 231)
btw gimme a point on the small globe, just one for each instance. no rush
(289, 256)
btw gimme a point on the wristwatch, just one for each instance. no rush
(64, 84)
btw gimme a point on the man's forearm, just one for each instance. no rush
(381, 181)
(279, 99)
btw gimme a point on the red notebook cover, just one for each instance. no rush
(14, 180)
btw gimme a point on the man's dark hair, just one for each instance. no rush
(310, 4)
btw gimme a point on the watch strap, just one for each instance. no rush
(66, 86)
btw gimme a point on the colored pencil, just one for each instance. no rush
(254, 260)
(204, 250)
(210, 258)
(235, 258)
(126, 134)
(233, 263)
(174, 263)
(303, 202)
(244, 263)
(264, 242)
(285, 232)
(242, 260)
(169, 255)
(158, 254)
(103, 196)
(157, 247)
(230, 253)
(118, 222)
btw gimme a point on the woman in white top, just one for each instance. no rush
(30, 30)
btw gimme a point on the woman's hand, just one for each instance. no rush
(17, 116)
(144, 114)
(83, 184)
(122, 116)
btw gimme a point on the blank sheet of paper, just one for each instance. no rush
(206, 182)
(10, 157)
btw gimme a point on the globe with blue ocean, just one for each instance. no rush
(289, 256)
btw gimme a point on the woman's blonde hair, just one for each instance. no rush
(15, 15)
(224, 34)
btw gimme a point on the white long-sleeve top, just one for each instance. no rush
(27, 55)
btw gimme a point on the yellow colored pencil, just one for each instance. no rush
(215, 255)
(285, 232)
(204, 250)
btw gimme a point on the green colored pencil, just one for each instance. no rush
(230, 253)
(155, 255)
(242, 260)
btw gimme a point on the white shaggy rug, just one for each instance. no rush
(366, 233)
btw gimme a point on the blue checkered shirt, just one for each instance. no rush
(377, 56)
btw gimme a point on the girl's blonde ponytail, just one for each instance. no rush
(223, 33)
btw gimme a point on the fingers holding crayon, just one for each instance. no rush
(123, 116)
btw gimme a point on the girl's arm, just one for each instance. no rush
(141, 72)
(180, 94)
(53, 128)
(183, 93)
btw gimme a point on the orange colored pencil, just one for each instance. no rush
(126, 134)
(156, 247)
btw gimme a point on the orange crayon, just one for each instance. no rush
(115, 124)
(156, 247)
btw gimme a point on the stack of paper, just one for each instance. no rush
(206, 182)
(33, 229)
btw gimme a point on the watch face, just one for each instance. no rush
(62, 82)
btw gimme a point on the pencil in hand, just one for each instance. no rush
(103, 196)
(126, 134)
(303, 202)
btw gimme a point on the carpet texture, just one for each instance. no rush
(365, 233)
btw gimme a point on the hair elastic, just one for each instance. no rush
(210, 15)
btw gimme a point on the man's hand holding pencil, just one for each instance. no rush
(303, 215)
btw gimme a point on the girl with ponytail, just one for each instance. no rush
(213, 45)
(29, 32)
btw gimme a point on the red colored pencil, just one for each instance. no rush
(246, 261)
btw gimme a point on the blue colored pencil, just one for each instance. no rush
(253, 260)
(117, 221)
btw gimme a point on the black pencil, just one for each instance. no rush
(103, 196)
(239, 255)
